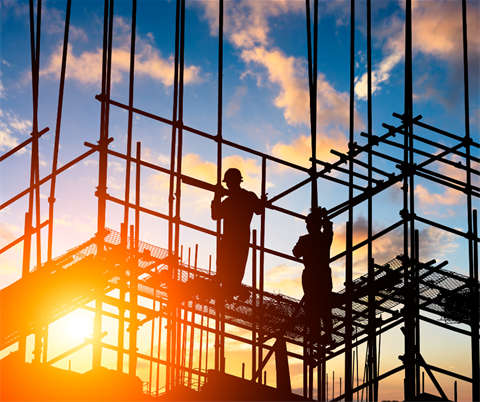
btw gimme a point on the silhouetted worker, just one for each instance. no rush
(314, 248)
(237, 212)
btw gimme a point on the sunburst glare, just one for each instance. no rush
(78, 327)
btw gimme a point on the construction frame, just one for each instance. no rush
(119, 260)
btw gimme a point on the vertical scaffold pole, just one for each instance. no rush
(104, 122)
(135, 254)
(171, 325)
(34, 193)
(102, 171)
(262, 250)
(219, 303)
(124, 233)
(35, 149)
(475, 317)
(416, 301)
(131, 80)
(178, 186)
(409, 319)
(472, 242)
(349, 237)
(51, 199)
(372, 349)
(414, 334)
(254, 303)
(312, 85)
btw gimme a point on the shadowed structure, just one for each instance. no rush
(181, 303)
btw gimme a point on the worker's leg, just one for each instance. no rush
(311, 307)
(222, 262)
(326, 313)
(235, 256)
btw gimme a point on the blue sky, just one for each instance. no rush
(265, 108)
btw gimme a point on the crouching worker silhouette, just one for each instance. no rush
(237, 212)
(314, 248)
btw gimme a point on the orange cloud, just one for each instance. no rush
(449, 196)
(434, 243)
(299, 151)
(246, 22)
(285, 279)
(247, 28)
(194, 166)
(291, 75)
(438, 28)
(87, 67)
(437, 32)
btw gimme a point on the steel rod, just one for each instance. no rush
(131, 80)
(437, 130)
(23, 144)
(51, 199)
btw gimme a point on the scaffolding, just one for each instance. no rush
(178, 289)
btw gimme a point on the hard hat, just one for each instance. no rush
(317, 215)
(232, 174)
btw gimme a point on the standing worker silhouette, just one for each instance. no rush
(237, 212)
(314, 248)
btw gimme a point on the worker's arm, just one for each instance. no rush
(298, 249)
(216, 206)
(328, 231)
(259, 204)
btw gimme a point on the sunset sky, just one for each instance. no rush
(266, 108)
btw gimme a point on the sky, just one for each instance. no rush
(265, 107)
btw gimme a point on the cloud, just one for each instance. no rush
(285, 279)
(438, 28)
(78, 34)
(53, 19)
(437, 32)
(449, 196)
(427, 199)
(74, 224)
(246, 22)
(18, 8)
(2, 91)
(194, 166)
(382, 72)
(9, 124)
(247, 28)
(434, 243)
(7, 141)
(290, 74)
(475, 117)
(117, 167)
(8, 233)
(299, 150)
(234, 105)
(86, 68)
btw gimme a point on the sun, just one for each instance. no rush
(78, 328)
